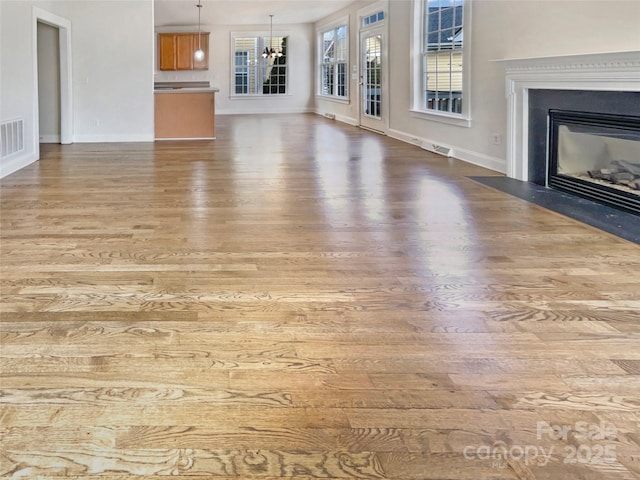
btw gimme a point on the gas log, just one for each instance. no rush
(620, 172)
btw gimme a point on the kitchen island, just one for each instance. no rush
(184, 113)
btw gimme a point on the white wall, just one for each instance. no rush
(113, 48)
(17, 78)
(500, 29)
(300, 44)
(112, 69)
(112, 58)
(543, 28)
(49, 83)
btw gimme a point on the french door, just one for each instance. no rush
(373, 92)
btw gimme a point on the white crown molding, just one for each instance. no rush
(610, 71)
(588, 61)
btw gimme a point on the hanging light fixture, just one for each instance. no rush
(269, 51)
(199, 53)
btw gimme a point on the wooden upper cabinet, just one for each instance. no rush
(167, 51)
(175, 51)
(184, 51)
(204, 44)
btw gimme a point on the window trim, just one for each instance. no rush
(320, 31)
(232, 74)
(417, 109)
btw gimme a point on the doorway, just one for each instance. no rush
(47, 26)
(48, 83)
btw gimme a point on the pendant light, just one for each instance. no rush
(199, 53)
(269, 51)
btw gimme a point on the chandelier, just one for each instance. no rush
(269, 51)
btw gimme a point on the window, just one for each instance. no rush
(242, 72)
(334, 52)
(371, 19)
(440, 62)
(442, 55)
(255, 74)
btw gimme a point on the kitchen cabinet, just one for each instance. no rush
(175, 51)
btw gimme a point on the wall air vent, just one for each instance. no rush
(435, 148)
(11, 137)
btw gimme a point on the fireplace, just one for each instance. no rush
(599, 83)
(596, 156)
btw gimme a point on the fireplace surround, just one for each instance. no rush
(595, 84)
(613, 77)
(606, 72)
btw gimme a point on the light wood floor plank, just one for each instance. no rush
(322, 303)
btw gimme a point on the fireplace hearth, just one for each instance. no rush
(596, 156)
(603, 83)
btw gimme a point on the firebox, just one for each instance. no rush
(596, 156)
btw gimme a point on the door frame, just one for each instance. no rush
(66, 94)
(383, 28)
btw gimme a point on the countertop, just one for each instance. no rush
(186, 90)
(184, 87)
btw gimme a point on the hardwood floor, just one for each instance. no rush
(301, 298)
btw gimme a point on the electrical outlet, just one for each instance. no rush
(497, 138)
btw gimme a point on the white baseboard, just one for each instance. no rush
(482, 160)
(50, 138)
(10, 165)
(469, 156)
(263, 111)
(339, 118)
(348, 120)
(113, 138)
(182, 139)
(405, 137)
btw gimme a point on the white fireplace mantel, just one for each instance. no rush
(615, 71)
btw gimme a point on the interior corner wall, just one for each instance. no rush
(500, 29)
(112, 70)
(298, 98)
(300, 75)
(344, 111)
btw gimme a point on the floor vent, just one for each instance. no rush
(330, 116)
(11, 137)
(435, 148)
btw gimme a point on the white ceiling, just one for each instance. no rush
(243, 12)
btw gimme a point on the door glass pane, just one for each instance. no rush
(372, 81)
